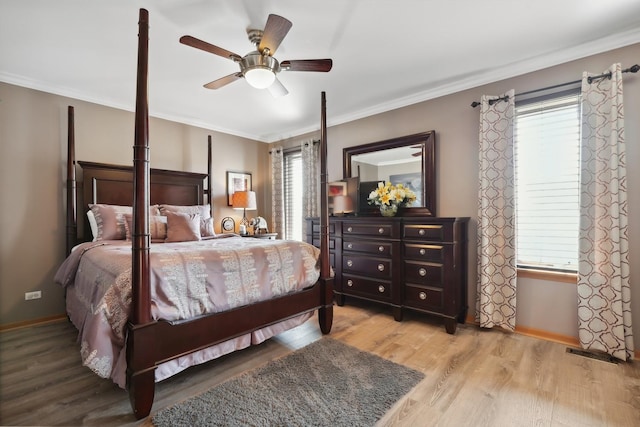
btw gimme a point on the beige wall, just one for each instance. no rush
(545, 305)
(32, 126)
(33, 137)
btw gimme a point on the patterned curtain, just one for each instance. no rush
(277, 190)
(604, 293)
(310, 181)
(496, 286)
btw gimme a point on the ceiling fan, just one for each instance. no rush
(259, 68)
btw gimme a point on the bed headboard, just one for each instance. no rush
(113, 184)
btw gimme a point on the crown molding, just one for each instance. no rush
(540, 62)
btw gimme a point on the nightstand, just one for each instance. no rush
(270, 236)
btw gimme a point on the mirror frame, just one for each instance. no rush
(428, 142)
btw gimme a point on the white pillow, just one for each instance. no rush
(93, 224)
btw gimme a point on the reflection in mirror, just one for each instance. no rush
(409, 160)
(397, 165)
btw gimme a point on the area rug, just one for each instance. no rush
(326, 383)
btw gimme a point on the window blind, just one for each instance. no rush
(293, 195)
(547, 162)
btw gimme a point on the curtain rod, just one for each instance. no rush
(590, 79)
(315, 141)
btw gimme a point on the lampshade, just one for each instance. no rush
(342, 205)
(244, 200)
(260, 78)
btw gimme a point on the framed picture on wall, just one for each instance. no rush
(237, 181)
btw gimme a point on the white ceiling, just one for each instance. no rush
(386, 54)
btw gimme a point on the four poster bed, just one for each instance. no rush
(147, 310)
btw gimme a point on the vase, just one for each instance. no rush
(388, 210)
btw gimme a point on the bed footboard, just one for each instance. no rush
(145, 352)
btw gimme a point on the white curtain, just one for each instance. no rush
(604, 293)
(310, 180)
(496, 285)
(277, 191)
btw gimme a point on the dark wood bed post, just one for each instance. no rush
(325, 313)
(141, 307)
(150, 342)
(140, 369)
(72, 208)
(209, 169)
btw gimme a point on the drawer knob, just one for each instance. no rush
(350, 229)
(349, 282)
(350, 245)
(380, 230)
(421, 232)
(422, 272)
(380, 248)
(422, 295)
(380, 267)
(350, 263)
(381, 289)
(423, 251)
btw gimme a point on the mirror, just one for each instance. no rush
(408, 159)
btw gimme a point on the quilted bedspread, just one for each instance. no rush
(188, 279)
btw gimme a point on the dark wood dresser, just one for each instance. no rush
(416, 263)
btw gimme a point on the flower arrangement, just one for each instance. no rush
(391, 197)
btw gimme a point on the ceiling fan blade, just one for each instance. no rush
(223, 81)
(321, 65)
(277, 89)
(274, 32)
(207, 47)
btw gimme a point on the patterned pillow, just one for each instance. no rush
(157, 227)
(206, 222)
(182, 227)
(111, 222)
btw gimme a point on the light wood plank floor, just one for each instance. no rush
(473, 378)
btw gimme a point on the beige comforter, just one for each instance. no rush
(188, 279)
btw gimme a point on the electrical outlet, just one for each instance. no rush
(32, 295)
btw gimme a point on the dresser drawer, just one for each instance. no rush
(419, 252)
(368, 230)
(376, 289)
(316, 228)
(367, 266)
(423, 298)
(428, 232)
(374, 248)
(316, 243)
(423, 273)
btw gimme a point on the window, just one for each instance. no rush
(547, 162)
(293, 195)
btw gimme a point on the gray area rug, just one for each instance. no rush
(326, 383)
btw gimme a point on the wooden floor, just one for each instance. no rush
(473, 378)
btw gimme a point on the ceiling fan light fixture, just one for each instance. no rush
(259, 70)
(260, 78)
